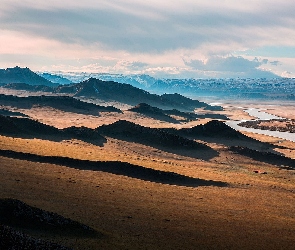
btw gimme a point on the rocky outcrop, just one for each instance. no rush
(282, 125)
(11, 239)
(17, 213)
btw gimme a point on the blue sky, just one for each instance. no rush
(189, 38)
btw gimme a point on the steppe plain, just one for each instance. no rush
(254, 209)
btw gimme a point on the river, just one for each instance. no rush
(261, 115)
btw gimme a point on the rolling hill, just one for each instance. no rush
(64, 103)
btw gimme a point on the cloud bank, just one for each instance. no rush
(166, 37)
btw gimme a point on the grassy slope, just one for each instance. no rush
(255, 212)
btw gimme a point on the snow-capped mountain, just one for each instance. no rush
(261, 88)
(140, 81)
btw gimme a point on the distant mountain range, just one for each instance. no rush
(55, 78)
(92, 88)
(238, 88)
(277, 88)
(140, 80)
(23, 75)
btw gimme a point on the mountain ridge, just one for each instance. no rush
(23, 75)
(126, 93)
(241, 88)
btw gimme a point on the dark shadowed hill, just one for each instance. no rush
(188, 103)
(212, 129)
(163, 139)
(64, 103)
(23, 75)
(145, 108)
(167, 115)
(17, 216)
(28, 128)
(217, 131)
(84, 133)
(25, 126)
(6, 112)
(11, 239)
(153, 112)
(152, 136)
(16, 213)
(23, 79)
(126, 93)
(28, 87)
(109, 91)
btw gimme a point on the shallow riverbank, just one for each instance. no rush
(261, 115)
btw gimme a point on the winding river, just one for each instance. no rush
(260, 115)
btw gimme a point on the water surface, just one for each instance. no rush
(261, 115)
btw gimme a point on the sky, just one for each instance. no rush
(172, 39)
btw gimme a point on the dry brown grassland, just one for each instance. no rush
(255, 211)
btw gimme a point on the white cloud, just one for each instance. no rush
(147, 26)
(141, 36)
(231, 65)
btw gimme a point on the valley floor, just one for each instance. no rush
(254, 210)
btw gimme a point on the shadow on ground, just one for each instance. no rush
(267, 157)
(18, 214)
(118, 168)
(14, 239)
